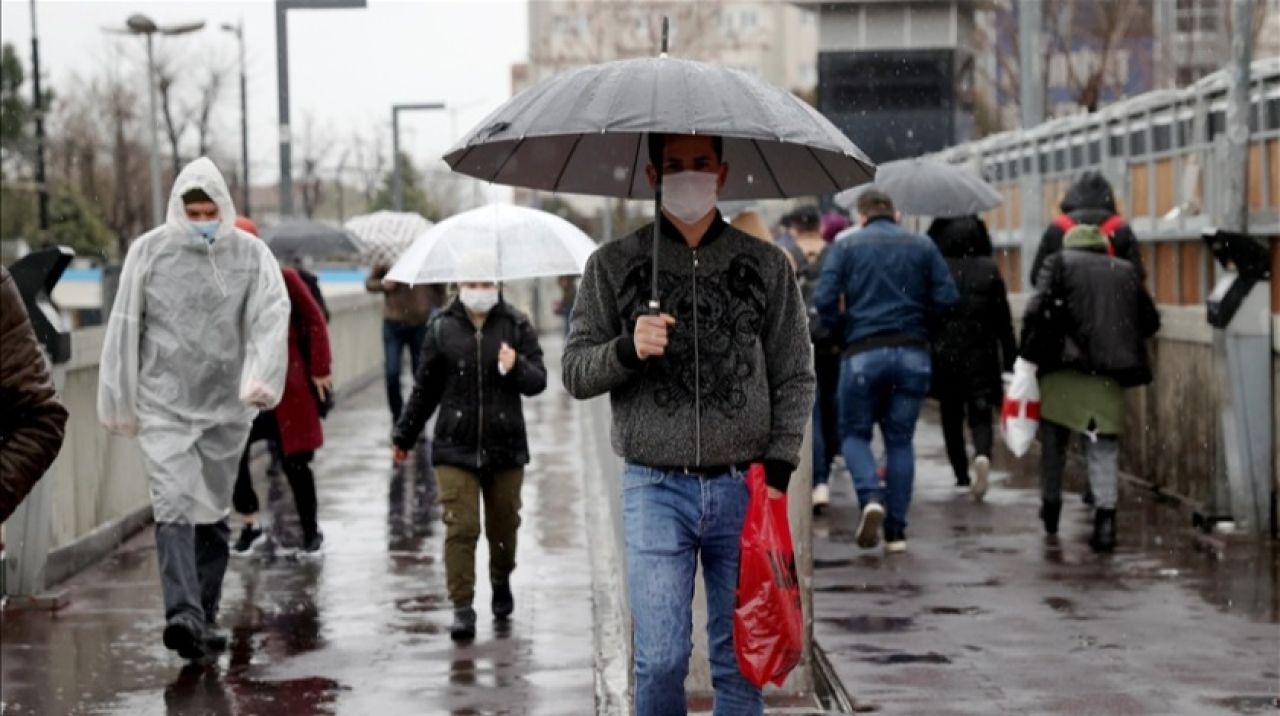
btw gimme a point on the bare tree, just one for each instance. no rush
(1083, 48)
(370, 161)
(313, 149)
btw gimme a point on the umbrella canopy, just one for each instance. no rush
(498, 242)
(586, 131)
(927, 187)
(301, 237)
(384, 235)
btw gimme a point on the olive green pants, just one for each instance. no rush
(460, 495)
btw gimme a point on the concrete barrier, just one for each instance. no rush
(99, 490)
(603, 486)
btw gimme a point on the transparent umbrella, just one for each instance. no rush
(498, 242)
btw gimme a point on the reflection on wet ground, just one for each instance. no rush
(363, 630)
(984, 615)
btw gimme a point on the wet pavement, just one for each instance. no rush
(362, 630)
(983, 615)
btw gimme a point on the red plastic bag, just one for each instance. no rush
(768, 623)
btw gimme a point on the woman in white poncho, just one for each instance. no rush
(195, 346)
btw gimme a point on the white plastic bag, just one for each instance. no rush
(1020, 414)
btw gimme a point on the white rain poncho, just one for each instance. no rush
(196, 344)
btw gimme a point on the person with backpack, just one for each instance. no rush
(808, 250)
(971, 348)
(1089, 201)
(480, 357)
(294, 425)
(1085, 329)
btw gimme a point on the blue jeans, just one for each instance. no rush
(396, 336)
(669, 520)
(884, 387)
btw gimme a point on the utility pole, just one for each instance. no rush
(238, 30)
(282, 78)
(1031, 104)
(37, 104)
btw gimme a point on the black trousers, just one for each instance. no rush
(297, 469)
(954, 411)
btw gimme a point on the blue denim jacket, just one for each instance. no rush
(896, 285)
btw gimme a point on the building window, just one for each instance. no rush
(1198, 16)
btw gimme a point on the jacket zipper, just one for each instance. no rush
(697, 371)
(480, 396)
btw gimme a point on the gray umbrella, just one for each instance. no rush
(300, 237)
(927, 187)
(587, 131)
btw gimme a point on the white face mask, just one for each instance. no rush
(479, 300)
(689, 195)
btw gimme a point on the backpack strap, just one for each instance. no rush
(1064, 222)
(1109, 229)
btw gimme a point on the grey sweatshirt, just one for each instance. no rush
(736, 384)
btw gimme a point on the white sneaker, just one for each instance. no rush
(869, 525)
(821, 496)
(981, 477)
(897, 546)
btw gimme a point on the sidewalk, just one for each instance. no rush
(983, 616)
(361, 631)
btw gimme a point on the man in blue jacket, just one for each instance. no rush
(896, 286)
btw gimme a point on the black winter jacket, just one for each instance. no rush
(1091, 313)
(975, 341)
(1089, 201)
(481, 422)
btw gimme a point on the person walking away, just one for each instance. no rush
(1090, 200)
(33, 421)
(721, 380)
(294, 425)
(480, 356)
(808, 252)
(195, 345)
(404, 324)
(896, 287)
(1086, 329)
(971, 348)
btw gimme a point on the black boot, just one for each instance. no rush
(464, 624)
(504, 603)
(1104, 531)
(1049, 513)
(1087, 497)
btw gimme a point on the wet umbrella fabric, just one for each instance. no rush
(385, 235)
(310, 238)
(498, 242)
(926, 187)
(586, 131)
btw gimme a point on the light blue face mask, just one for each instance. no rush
(206, 229)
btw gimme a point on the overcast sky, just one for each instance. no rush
(347, 67)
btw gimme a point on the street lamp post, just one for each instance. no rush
(238, 30)
(139, 24)
(397, 198)
(282, 76)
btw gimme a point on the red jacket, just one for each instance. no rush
(297, 416)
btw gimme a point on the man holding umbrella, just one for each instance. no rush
(722, 378)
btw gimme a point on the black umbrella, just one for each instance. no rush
(587, 131)
(303, 237)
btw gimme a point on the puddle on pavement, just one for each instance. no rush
(904, 589)
(866, 624)
(422, 603)
(897, 659)
(957, 611)
(1248, 704)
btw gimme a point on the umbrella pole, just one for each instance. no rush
(655, 302)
